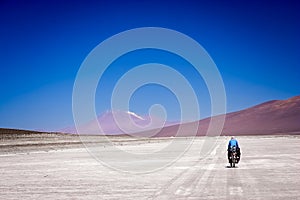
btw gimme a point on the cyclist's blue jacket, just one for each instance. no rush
(233, 142)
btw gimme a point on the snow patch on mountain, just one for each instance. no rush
(137, 116)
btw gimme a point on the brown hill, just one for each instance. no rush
(272, 117)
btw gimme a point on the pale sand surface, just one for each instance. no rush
(61, 168)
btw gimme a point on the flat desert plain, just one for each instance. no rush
(62, 168)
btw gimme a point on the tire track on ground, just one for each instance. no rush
(239, 183)
(184, 184)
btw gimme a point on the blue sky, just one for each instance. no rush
(255, 45)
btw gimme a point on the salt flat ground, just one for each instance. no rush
(269, 169)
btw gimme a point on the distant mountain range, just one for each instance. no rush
(277, 117)
(272, 117)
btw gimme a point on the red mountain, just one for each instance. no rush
(272, 117)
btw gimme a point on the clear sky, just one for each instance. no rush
(255, 45)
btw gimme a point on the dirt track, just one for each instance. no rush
(269, 169)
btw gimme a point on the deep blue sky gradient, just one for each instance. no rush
(255, 45)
